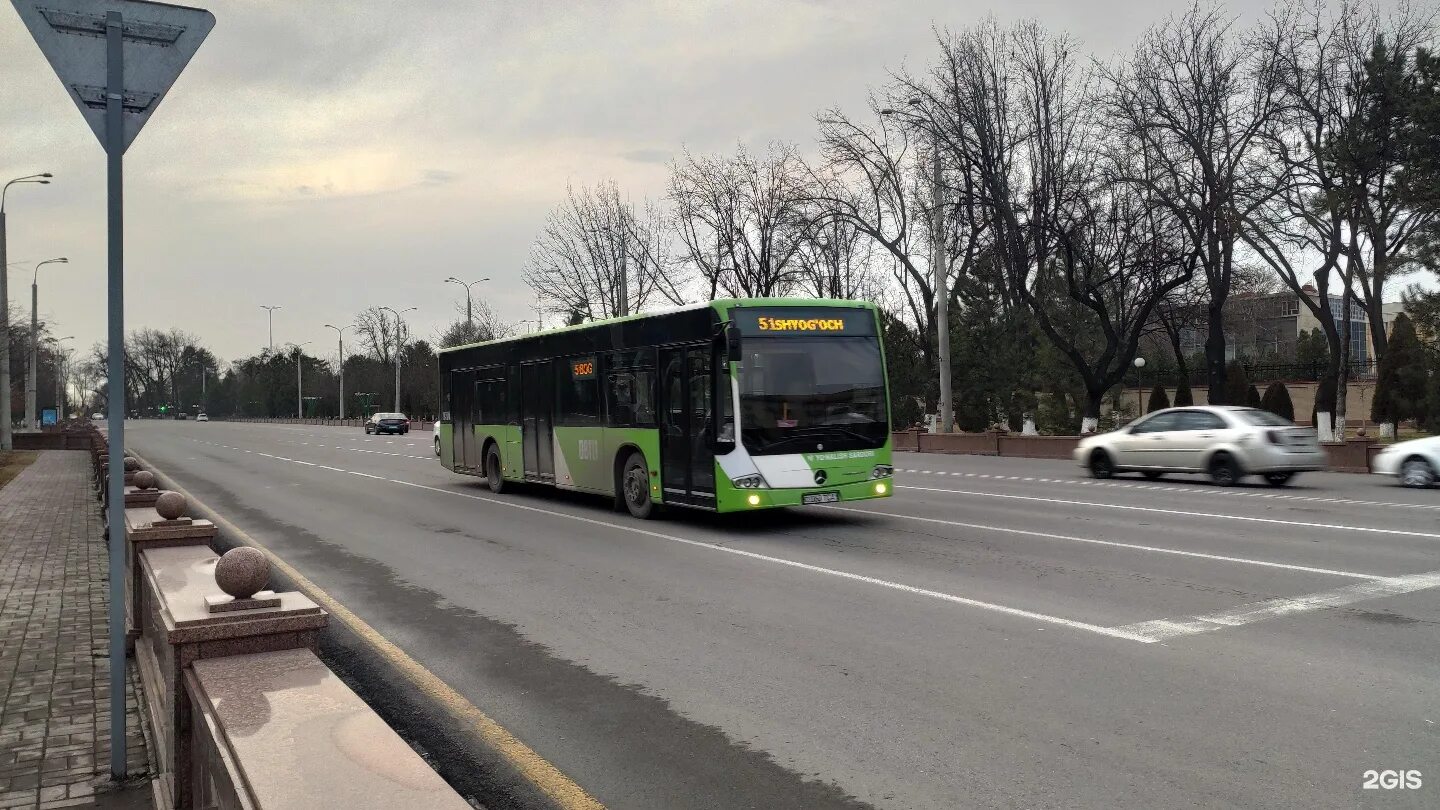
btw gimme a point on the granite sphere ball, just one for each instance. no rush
(242, 572)
(131, 464)
(170, 505)
(144, 480)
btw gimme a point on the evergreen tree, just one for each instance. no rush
(1277, 401)
(1183, 396)
(1252, 396)
(1237, 386)
(1401, 389)
(1159, 401)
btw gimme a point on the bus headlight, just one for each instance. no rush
(754, 500)
(882, 471)
(748, 482)
(881, 488)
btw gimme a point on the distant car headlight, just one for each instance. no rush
(748, 482)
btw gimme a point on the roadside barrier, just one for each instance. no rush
(241, 711)
(417, 424)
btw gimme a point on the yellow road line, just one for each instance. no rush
(535, 768)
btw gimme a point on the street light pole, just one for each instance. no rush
(399, 344)
(340, 334)
(31, 369)
(300, 378)
(271, 310)
(7, 441)
(469, 305)
(938, 268)
(1139, 386)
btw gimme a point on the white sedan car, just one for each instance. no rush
(1413, 463)
(1227, 443)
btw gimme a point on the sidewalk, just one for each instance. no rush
(54, 669)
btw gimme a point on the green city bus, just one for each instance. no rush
(627, 407)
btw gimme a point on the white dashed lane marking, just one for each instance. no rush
(1212, 491)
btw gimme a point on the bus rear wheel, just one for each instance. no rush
(494, 474)
(635, 487)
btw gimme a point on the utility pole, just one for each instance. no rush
(624, 308)
(942, 295)
(271, 310)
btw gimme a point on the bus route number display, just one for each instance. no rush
(583, 369)
(804, 321)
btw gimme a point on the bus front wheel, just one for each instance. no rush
(635, 487)
(494, 474)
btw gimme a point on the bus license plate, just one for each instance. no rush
(819, 497)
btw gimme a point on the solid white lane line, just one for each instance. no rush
(1183, 513)
(1084, 482)
(1114, 544)
(1162, 629)
(884, 583)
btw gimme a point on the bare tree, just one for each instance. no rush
(741, 219)
(836, 260)
(1194, 101)
(380, 334)
(486, 325)
(595, 248)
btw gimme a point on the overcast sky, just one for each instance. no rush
(330, 156)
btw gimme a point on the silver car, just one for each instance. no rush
(1413, 463)
(1227, 443)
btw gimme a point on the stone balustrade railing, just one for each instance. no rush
(243, 714)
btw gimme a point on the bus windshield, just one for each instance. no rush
(803, 394)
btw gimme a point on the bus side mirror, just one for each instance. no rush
(732, 343)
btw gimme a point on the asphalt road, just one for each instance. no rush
(1002, 633)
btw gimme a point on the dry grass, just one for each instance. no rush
(13, 462)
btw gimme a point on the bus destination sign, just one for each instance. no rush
(804, 321)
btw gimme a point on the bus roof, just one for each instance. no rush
(721, 304)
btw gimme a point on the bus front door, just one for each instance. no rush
(537, 402)
(687, 466)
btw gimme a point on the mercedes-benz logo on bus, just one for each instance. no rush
(820, 476)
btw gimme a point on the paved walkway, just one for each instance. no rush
(54, 669)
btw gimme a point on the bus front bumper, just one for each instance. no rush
(820, 495)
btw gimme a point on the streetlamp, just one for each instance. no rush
(6, 428)
(469, 308)
(299, 378)
(1139, 386)
(340, 333)
(271, 310)
(30, 368)
(937, 263)
(529, 321)
(399, 343)
(60, 363)
(622, 305)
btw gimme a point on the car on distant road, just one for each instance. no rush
(387, 423)
(182, 416)
(1227, 443)
(97, 416)
(1413, 463)
(201, 417)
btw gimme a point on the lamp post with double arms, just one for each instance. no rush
(271, 310)
(340, 333)
(469, 303)
(399, 344)
(6, 427)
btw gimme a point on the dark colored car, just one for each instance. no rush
(387, 423)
